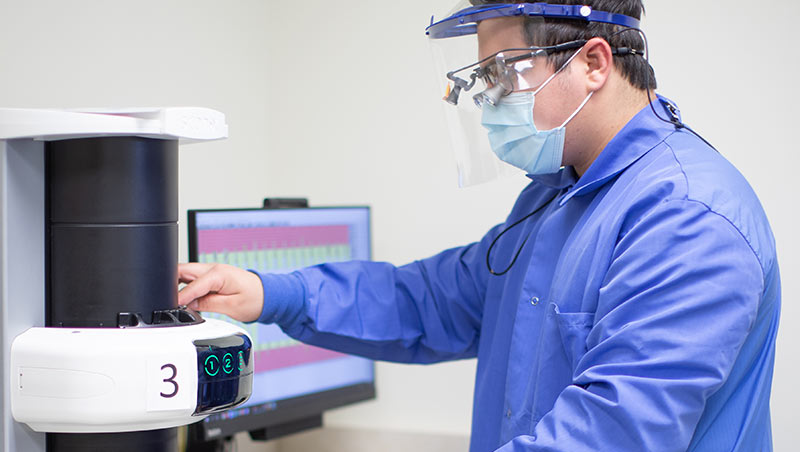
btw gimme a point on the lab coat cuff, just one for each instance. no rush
(284, 298)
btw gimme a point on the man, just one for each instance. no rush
(630, 302)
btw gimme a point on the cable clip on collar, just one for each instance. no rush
(673, 113)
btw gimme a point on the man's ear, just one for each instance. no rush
(597, 62)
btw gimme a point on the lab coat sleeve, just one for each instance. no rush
(678, 301)
(427, 311)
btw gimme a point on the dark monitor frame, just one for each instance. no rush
(283, 417)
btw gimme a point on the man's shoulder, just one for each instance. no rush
(683, 168)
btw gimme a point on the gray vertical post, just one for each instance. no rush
(21, 268)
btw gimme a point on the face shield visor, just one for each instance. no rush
(469, 80)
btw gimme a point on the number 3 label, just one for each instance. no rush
(167, 383)
(171, 381)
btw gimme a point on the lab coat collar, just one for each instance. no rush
(564, 178)
(637, 138)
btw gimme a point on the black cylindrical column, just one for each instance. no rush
(113, 229)
(112, 247)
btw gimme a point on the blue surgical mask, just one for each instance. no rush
(516, 140)
(513, 134)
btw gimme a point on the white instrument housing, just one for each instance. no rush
(94, 380)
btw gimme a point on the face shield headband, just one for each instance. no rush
(465, 21)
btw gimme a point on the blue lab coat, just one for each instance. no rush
(640, 315)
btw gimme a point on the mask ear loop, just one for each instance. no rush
(575, 113)
(564, 66)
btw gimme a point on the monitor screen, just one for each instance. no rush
(292, 381)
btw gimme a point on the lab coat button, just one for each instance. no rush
(534, 301)
(508, 414)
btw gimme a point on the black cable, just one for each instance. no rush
(675, 121)
(519, 250)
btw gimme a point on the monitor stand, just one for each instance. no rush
(263, 434)
(287, 428)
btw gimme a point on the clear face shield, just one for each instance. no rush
(471, 75)
(466, 84)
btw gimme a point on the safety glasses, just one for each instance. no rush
(504, 72)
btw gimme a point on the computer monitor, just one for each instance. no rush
(293, 383)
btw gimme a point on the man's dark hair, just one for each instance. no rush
(553, 31)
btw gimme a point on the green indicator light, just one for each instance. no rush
(212, 365)
(241, 360)
(227, 363)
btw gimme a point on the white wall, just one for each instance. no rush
(336, 101)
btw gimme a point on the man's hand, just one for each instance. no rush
(221, 288)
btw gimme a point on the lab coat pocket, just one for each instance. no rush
(562, 345)
(574, 327)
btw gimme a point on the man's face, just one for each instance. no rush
(556, 101)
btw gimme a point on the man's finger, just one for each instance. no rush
(216, 303)
(211, 302)
(205, 284)
(191, 271)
